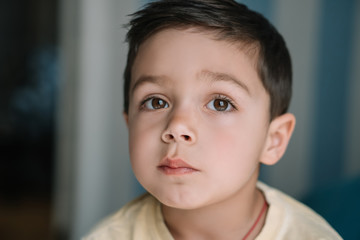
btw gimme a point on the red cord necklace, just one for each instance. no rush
(257, 220)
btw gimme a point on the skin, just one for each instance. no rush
(200, 102)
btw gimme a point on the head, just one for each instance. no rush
(228, 21)
(207, 87)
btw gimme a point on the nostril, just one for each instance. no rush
(169, 137)
(186, 137)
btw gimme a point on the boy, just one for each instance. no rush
(207, 88)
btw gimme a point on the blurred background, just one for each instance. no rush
(64, 163)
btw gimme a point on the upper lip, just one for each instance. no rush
(175, 163)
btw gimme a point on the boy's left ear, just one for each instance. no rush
(279, 134)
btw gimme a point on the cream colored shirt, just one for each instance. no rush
(286, 219)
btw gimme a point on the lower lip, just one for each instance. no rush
(176, 171)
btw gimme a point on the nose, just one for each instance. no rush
(179, 129)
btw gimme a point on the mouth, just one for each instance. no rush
(176, 167)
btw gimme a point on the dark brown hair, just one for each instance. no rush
(229, 21)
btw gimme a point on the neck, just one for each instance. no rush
(230, 219)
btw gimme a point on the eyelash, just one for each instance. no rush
(143, 102)
(218, 97)
(226, 99)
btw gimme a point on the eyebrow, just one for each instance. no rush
(218, 77)
(205, 74)
(158, 80)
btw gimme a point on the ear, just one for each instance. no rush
(279, 134)
(126, 118)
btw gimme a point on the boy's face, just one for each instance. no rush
(198, 119)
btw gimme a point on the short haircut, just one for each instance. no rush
(229, 21)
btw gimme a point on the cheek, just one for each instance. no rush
(143, 142)
(233, 146)
(226, 147)
(224, 136)
(230, 160)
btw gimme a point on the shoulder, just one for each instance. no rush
(124, 223)
(287, 218)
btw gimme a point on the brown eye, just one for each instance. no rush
(220, 105)
(155, 103)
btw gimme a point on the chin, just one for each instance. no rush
(180, 201)
(178, 205)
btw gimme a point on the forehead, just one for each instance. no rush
(245, 45)
(179, 51)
